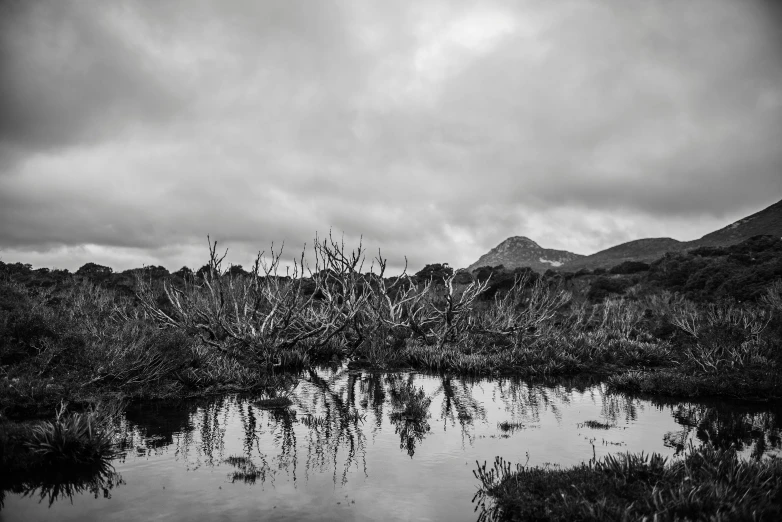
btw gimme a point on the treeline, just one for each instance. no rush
(740, 272)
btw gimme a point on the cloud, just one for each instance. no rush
(432, 129)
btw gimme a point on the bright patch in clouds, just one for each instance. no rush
(448, 45)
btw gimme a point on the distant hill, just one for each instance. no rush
(517, 252)
(645, 250)
(767, 222)
(520, 251)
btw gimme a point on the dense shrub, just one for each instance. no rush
(630, 267)
(603, 287)
(502, 280)
(463, 277)
(436, 272)
(741, 272)
(94, 270)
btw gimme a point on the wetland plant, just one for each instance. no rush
(74, 438)
(707, 484)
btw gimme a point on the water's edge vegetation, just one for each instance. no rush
(707, 484)
(78, 341)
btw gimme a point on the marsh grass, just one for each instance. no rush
(75, 438)
(706, 484)
(748, 384)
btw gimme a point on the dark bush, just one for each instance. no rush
(183, 273)
(503, 280)
(437, 273)
(602, 287)
(630, 267)
(237, 270)
(463, 277)
(483, 273)
(94, 270)
(740, 272)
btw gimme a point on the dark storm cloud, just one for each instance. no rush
(130, 130)
(67, 75)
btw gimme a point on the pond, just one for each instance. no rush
(357, 445)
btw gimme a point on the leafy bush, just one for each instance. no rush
(630, 267)
(740, 272)
(602, 287)
(437, 273)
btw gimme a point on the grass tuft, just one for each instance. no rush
(707, 484)
(72, 438)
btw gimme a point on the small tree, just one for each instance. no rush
(436, 273)
(94, 270)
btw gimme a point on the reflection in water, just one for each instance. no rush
(410, 411)
(334, 411)
(344, 426)
(65, 485)
(757, 430)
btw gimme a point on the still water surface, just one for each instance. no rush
(369, 446)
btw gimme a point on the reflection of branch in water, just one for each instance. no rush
(617, 406)
(410, 412)
(373, 391)
(724, 427)
(340, 424)
(250, 427)
(459, 405)
(57, 486)
(213, 430)
(524, 401)
(284, 438)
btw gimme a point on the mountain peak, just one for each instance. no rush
(520, 240)
(521, 251)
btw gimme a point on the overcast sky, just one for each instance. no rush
(131, 130)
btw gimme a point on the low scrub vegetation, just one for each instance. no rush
(78, 337)
(706, 484)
